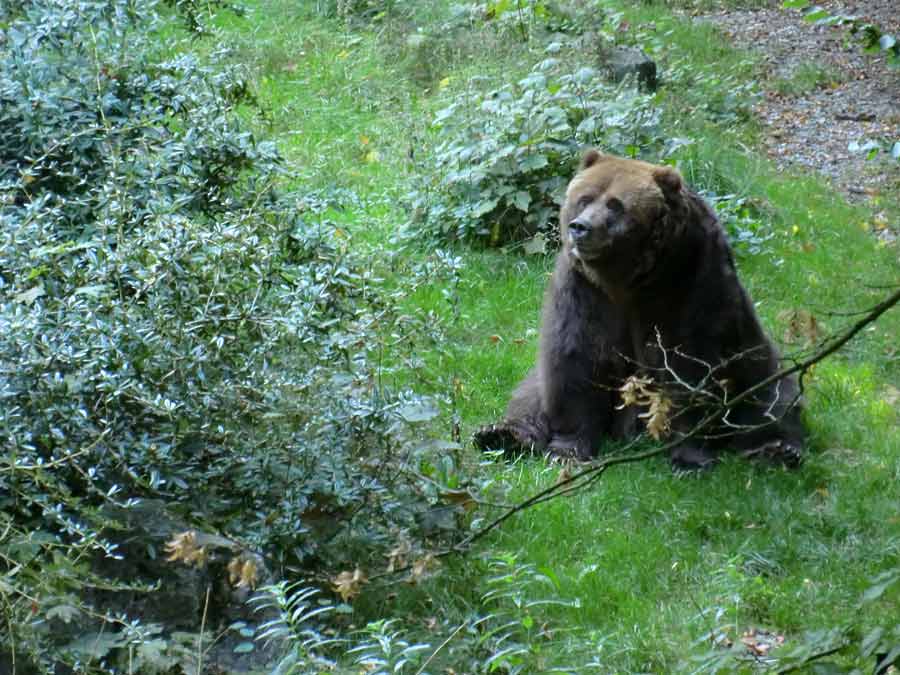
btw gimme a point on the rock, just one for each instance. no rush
(631, 61)
(145, 535)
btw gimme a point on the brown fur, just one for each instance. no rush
(644, 262)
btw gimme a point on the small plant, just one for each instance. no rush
(384, 650)
(806, 78)
(295, 624)
(747, 230)
(502, 158)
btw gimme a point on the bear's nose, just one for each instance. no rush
(578, 228)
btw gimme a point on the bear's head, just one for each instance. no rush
(618, 217)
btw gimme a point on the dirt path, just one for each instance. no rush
(823, 93)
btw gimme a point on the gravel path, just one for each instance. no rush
(853, 96)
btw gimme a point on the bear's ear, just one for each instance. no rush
(590, 158)
(669, 181)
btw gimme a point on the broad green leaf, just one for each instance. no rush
(816, 14)
(877, 590)
(95, 645)
(65, 613)
(483, 207)
(94, 291)
(418, 412)
(244, 648)
(795, 4)
(521, 200)
(537, 245)
(534, 162)
(871, 641)
(28, 297)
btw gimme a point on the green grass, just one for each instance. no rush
(655, 562)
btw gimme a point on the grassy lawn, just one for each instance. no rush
(646, 571)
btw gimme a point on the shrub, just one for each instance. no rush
(501, 158)
(173, 329)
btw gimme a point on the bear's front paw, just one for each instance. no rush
(501, 437)
(569, 449)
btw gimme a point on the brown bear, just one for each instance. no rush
(645, 292)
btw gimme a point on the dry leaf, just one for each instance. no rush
(422, 568)
(658, 415)
(397, 556)
(243, 572)
(761, 642)
(183, 548)
(802, 327)
(565, 473)
(634, 391)
(461, 498)
(348, 584)
(639, 391)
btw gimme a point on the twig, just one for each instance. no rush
(200, 636)
(440, 647)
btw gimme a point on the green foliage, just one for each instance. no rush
(747, 231)
(365, 11)
(295, 625)
(872, 37)
(522, 18)
(172, 327)
(508, 631)
(197, 13)
(502, 157)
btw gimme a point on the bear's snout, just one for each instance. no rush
(579, 228)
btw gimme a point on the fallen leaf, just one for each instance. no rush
(461, 498)
(398, 554)
(802, 326)
(349, 584)
(422, 568)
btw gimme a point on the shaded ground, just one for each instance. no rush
(824, 93)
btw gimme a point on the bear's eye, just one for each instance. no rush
(615, 206)
(583, 201)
